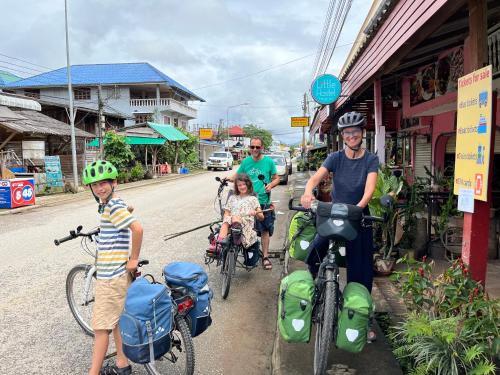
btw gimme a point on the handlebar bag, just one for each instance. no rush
(146, 322)
(295, 306)
(300, 235)
(338, 221)
(357, 309)
(193, 277)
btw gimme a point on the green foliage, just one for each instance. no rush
(387, 184)
(123, 176)
(137, 172)
(452, 328)
(187, 151)
(117, 151)
(255, 131)
(414, 204)
(316, 159)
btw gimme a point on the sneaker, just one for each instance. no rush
(113, 370)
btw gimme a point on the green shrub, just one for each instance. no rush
(123, 176)
(137, 172)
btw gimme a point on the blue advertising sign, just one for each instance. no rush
(326, 89)
(53, 171)
(5, 194)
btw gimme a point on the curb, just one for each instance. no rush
(87, 194)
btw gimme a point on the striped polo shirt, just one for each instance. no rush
(114, 242)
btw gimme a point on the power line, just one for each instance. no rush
(21, 66)
(255, 73)
(321, 43)
(25, 61)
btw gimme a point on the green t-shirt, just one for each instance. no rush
(253, 169)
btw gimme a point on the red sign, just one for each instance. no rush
(478, 190)
(22, 193)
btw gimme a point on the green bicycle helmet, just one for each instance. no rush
(99, 170)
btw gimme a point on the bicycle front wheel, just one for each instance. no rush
(228, 268)
(325, 324)
(80, 293)
(180, 359)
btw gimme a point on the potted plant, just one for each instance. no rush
(387, 185)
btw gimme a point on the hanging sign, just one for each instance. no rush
(299, 122)
(53, 171)
(474, 123)
(326, 89)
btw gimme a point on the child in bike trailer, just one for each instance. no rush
(240, 209)
(118, 249)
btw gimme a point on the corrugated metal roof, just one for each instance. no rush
(103, 74)
(168, 131)
(32, 122)
(133, 141)
(6, 78)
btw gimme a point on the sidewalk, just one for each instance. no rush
(55, 199)
(376, 358)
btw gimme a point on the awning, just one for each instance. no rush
(168, 131)
(133, 141)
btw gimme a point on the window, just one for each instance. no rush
(82, 93)
(32, 93)
(176, 122)
(142, 117)
(166, 120)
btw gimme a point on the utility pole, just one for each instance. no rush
(70, 92)
(304, 109)
(100, 122)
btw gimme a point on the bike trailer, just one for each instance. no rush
(146, 321)
(252, 255)
(195, 279)
(300, 235)
(295, 306)
(354, 320)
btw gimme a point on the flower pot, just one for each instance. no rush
(384, 267)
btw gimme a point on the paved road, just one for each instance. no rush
(39, 335)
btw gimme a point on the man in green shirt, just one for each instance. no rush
(255, 165)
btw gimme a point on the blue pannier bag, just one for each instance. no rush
(146, 321)
(195, 279)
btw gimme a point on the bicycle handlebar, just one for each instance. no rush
(291, 207)
(76, 233)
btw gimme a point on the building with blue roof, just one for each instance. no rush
(6, 78)
(139, 91)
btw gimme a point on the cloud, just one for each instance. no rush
(197, 42)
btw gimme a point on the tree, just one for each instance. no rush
(181, 151)
(117, 151)
(255, 131)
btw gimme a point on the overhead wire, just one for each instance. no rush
(321, 43)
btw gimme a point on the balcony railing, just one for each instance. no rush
(164, 104)
(494, 49)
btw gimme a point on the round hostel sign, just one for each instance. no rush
(326, 89)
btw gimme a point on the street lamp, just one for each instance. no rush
(227, 119)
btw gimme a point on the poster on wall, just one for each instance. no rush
(53, 171)
(474, 123)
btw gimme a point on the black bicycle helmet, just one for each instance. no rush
(350, 119)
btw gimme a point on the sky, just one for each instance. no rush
(206, 45)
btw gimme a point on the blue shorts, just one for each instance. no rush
(266, 225)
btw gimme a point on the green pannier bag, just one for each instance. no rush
(295, 306)
(354, 320)
(300, 235)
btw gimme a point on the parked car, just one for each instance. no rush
(220, 160)
(281, 167)
(287, 157)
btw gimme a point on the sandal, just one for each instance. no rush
(266, 264)
(114, 370)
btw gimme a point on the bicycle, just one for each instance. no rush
(231, 248)
(339, 223)
(80, 291)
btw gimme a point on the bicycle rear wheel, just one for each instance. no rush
(228, 268)
(325, 324)
(180, 359)
(80, 293)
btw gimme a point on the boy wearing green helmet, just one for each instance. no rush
(118, 249)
